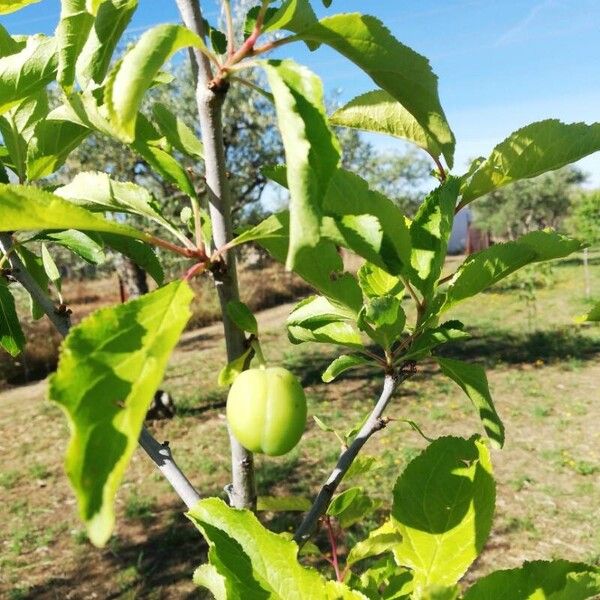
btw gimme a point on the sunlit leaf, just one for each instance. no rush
(11, 334)
(8, 6)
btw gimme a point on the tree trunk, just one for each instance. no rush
(133, 282)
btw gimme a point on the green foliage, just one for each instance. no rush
(473, 381)
(584, 220)
(343, 363)
(351, 506)
(242, 316)
(248, 561)
(110, 366)
(8, 6)
(379, 112)
(27, 71)
(443, 507)
(383, 320)
(375, 282)
(176, 132)
(398, 70)
(11, 334)
(311, 150)
(25, 207)
(531, 151)
(539, 580)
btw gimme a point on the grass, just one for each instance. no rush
(543, 377)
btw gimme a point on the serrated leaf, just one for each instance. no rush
(473, 381)
(129, 79)
(29, 208)
(342, 364)
(429, 233)
(312, 151)
(8, 6)
(27, 71)
(483, 269)
(321, 267)
(123, 350)
(112, 18)
(394, 67)
(54, 139)
(380, 540)
(139, 252)
(539, 580)
(231, 370)
(283, 503)
(351, 506)
(71, 34)
(379, 112)
(87, 247)
(432, 337)
(443, 508)
(255, 562)
(17, 127)
(11, 334)
(376, 282)
(528, 152)
(292, 15)
(177, 133)
(383, 320)
(242, 316)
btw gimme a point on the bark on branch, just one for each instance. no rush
(159, 453)
(374, 423)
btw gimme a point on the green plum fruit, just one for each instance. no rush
(266, 410)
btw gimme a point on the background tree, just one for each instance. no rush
(529, 204)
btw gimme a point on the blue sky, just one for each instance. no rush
(500, 65)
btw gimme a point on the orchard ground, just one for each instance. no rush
(543, 371)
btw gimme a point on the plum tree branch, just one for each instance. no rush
(374, 423)
(209, 99)
(159, 453)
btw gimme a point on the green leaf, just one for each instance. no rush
(294, 16)
(231, 370)
(54, 139)
(26, 207)
(131, 77)
(317, 319)
(112, 18)
(383, 580)
(379, 112)
(8, 6)
(27, 71)
(87, 247)
(242, 316)
(97, 192)
(432, 337)
(139, 252)
(351, 506)
(110, 366)
(395, 68)
(71, 34)
(321, 267)
(429, 233)
(593, 315)
(8, 45)
(342, 364)
(17, 127)
(383, 320)
(483, 269)
(176, 132)
(535, 149)
(362, 464)
(438, 592)
(380, 540)
(311, 150)
(11, 334)
(35, 268)
(283, 503)
(252, 562)
(473, 381)
(443, 507)
(375, 282)
(539, 580)
(366, 222)
(50, 267)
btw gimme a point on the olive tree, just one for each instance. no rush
(113, 361)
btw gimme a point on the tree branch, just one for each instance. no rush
(210, 98)
(374, 423)
(160, 454)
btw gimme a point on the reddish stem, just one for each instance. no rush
(333, 544)
(187, 252)
(196, 269)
